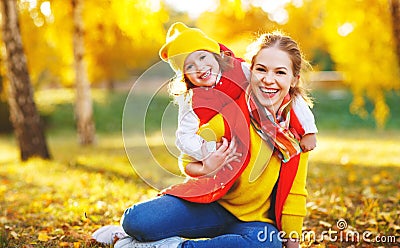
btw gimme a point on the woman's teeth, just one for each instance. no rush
(205, 75)
(268, 91)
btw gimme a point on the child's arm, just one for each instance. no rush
(187, 139)
(306, 119)
(308, 142)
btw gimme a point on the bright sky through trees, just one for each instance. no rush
(193, 7)
(273, 7)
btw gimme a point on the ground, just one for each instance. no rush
(353, 184)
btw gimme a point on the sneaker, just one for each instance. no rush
(109, 234)
(129, 242)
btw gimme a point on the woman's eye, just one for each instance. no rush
(281, 72)
(260, 69)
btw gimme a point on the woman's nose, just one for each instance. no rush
(267, 78)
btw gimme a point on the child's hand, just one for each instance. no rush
(308, 142)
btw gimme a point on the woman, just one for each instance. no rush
(262, 211)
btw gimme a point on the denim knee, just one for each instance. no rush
(133, 223)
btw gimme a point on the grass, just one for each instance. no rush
(354, 174)
(332, 111)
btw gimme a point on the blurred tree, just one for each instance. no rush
(304, 24)
(234, 24)
(23, 113)
(122, 37)
(362, 45)
(47, 38)
(395, 10)
(83, 101)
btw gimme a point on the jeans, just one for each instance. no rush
(204, 225)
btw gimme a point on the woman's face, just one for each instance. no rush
(272, 77)
(201, 68)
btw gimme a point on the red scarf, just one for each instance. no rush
(275, 129)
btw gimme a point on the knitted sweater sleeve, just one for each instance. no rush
(294, 209)
(304, 114)
(187, 139)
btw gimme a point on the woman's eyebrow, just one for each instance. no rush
(258, 64)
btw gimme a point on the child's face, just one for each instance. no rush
(201, 68)
(272, 77)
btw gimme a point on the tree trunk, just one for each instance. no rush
(83, 105)
(23, 113)
(395, 9)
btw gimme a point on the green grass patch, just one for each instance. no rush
(332, 111)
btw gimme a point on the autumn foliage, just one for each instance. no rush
(354, 173)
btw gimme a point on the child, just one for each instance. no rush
(202, 64)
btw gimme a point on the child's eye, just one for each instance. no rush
(202, 57)
(188, 67)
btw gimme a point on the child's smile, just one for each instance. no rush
(201, 68)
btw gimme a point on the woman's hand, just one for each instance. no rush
(221, 158)
(215, 161)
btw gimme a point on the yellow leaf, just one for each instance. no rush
(325, 224)
(77, 244)
(376, 179)
(43, 237)
(352, 177)
(386, 216)
(14, 234)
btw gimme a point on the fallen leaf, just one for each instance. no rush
(386, 216)
(325, 224)
(14, 235)
(43, 237)
(63, 244)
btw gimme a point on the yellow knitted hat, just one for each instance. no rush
(181, 41)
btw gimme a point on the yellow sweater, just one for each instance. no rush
(249, 199)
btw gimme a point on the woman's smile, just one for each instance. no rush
(269, 92)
